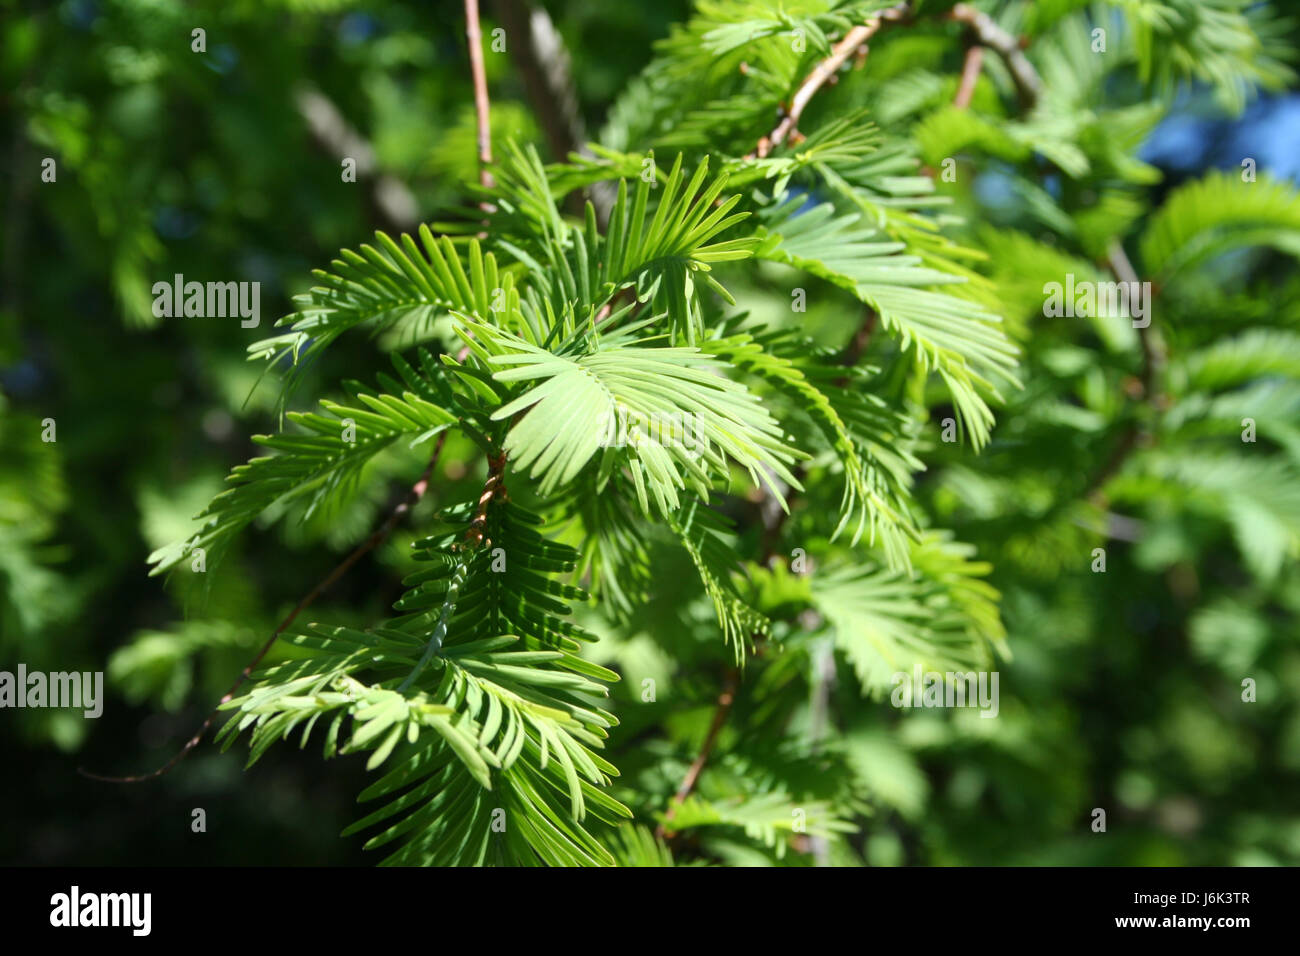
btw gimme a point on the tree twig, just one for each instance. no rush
(546, 71)
(394, 203)
(538, 51)
(382, 532)
(1153, 350)
(821, 73)
(1027, 80)
(493, 488)
(725, 701)
(970, 74)
(482, 114)
(1139, 433)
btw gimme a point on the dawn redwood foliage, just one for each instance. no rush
(708, 536)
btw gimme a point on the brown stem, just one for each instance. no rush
(1006, 46)
(982, 27)
(493, 488)
(1153, 351)
(383, 531)
(970, 74)
(481, 103)
(725, 701)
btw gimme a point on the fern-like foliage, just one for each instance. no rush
(662, 453)
(321, 466)
(473, 698)
(943, 618)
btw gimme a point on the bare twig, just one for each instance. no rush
(1153, 350)
(1006, 46)
(481, 104)
(1138, 434)
(982, 27)
(824, 679)
(394, 203)
(538, 51)
(970, 74)
(851, 44)
(725, 701)
(382, 532)
(543, 62)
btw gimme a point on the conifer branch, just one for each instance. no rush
(477, 683)
(365, 547)
(493, 490)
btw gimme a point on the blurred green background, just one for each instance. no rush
(1124, 688)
